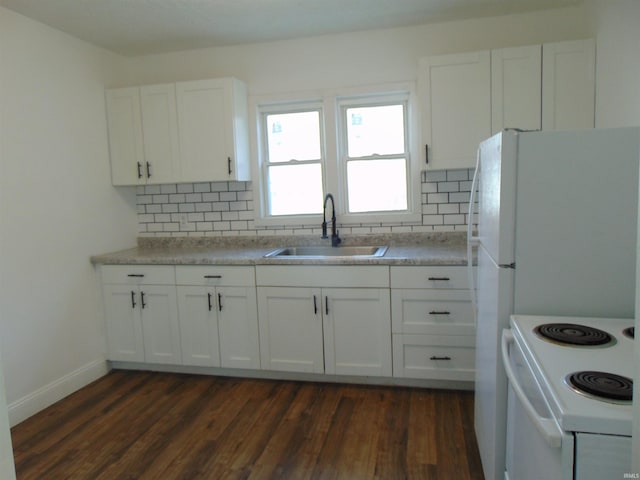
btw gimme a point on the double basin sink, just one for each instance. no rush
(328, 252)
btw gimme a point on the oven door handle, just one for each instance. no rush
(546, 426)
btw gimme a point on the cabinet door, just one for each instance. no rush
(160, 326)
(238, 327)
(516, 88)
(290, 329)
(357, 331)
(125, 136)
(198, 326)
(568, 85)
(160, 133)
(206, 137)
(123, 323)
(456, 107)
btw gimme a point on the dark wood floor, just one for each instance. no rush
(142, 425)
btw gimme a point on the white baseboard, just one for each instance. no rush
(49, 394)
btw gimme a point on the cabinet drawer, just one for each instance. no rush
(429, 277)
(215, 275)
(138, 274)
(436, 357)
(438, 312)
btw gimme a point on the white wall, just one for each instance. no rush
(359, 58)
(57, 208)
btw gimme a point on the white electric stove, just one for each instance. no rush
(570, 406)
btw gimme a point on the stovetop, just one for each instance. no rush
(554, 363)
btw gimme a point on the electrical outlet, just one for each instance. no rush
(183, 220)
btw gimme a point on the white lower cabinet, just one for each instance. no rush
(291, 329)
(433, 324)
(335, 330)
(141, 314)
(218, 316)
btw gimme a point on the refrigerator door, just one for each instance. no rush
(496, 197)
(576, 222)
(495, 303)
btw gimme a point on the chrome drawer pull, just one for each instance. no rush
(440, 358)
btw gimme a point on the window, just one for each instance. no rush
(293, 162)
(375, 157)
(354, 146)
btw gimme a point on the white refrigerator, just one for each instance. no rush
(557, 214)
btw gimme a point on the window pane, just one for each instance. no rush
(375, 130)
(377, 185)
(293, 136)
(295, 189)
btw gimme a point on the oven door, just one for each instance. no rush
(536, 446)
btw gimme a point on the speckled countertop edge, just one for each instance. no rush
(447, 248)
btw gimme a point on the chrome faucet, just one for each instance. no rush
(335, 239)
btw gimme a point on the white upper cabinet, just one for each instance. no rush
(470, 96)
(568, 85)
(184, 132)
(143, 135)
(515, 88)
(456, 107)
(213, 130)
(160, 133)
(125, 136)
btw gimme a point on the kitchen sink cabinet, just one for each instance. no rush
(433, 325)
(308, 326)
(213, 127)
(218, 316)
(143, 135)
(468, 97)
(141, 314)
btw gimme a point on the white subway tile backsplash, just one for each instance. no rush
(226, 209)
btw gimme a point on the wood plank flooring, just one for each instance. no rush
(145, 425)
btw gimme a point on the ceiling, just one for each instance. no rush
(140, 27)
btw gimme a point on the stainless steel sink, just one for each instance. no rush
(328, 252)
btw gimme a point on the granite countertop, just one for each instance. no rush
(404, 249)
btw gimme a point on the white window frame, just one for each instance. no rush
(333, 135)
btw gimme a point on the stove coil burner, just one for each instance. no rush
(572, 334)
(602, 385)
(630, 332)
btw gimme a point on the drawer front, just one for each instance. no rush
(323, 276)
(138, 274)
(429, 277)
(215, 275)
(441, 312)
(434, 357)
